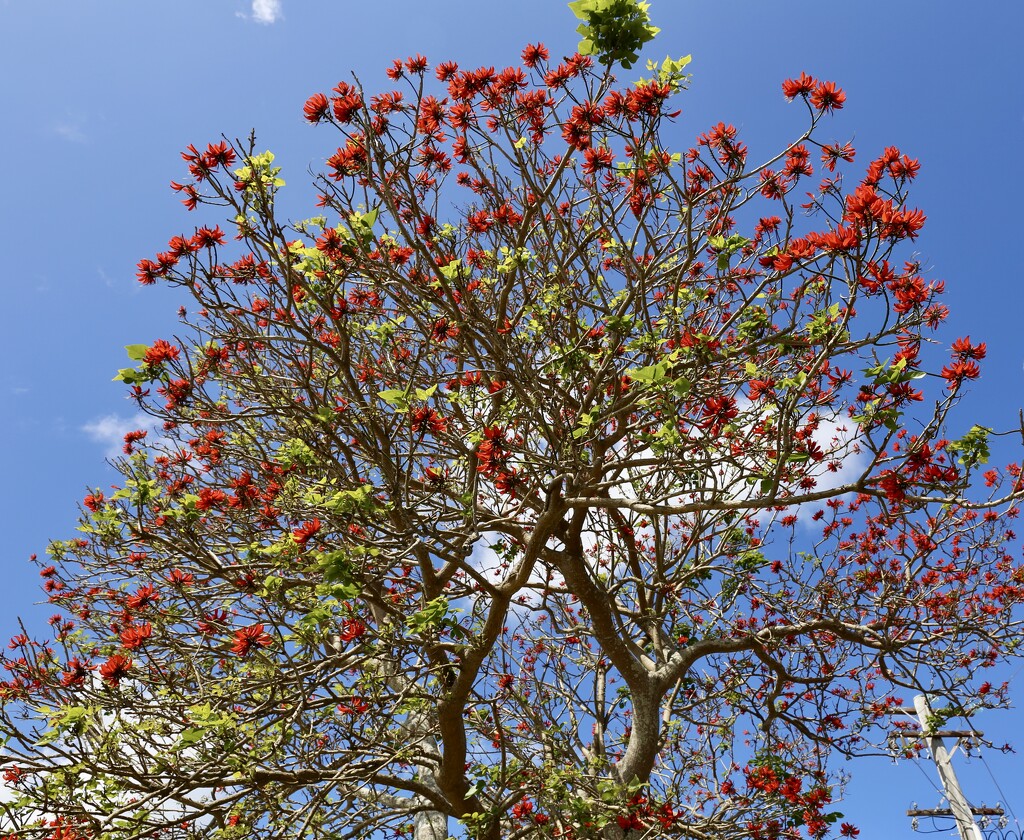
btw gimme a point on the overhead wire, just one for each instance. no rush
(1005, 800)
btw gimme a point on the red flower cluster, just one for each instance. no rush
(423, 420)
(210, 499)
(161, 351)
(348, 161)
(144, 597)
(93, 501)
(533, 54)
(179, 579)
(135, 636)
(250, 638)
(717, 412)
(577, 129)
(347, 104)
(491, 455)
(645, 99)
(201, 164)
(351, 629)
(131, 439)
(316, 108)
(75, 673)
(305, 532)
(824, 96)
(115, 669)
(963, 365)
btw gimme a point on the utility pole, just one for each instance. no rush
(961, 810)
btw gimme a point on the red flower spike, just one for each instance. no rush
(315, 108)
(827, 97)
(249, 639)
(792, 88)
(160, 352)
(305, 532)
(533, 54)
(134, 637)
(115, 669)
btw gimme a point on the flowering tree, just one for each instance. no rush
(549, 482)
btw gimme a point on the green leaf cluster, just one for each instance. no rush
(973, 447)
(432, 615)
(670, 71)
(259, 171)
(613, 30)
(135, 376)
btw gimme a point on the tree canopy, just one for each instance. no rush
(553, 479)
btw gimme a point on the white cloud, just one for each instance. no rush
(110, 430)
(106, 278)
(266, 11)
(70, 131)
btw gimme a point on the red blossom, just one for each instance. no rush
(315, 108)
(792, 88)
(212, 622)
(534, 54)
(416, 64)
(827, 97)
(250, 638)
(161, 351)
(831, 155)
(208, 237)
(958, 371)
(347, 104)
(210, 499)
(148, 272)
(179, 579)
(219, 154)
(75, 673)
(145, 596)
(306, 531)
(594, 159)
(424, 420)
(352, 628)
(115, 669)
(446, 70)
(963, 348)
(93, 501)
(135, 636)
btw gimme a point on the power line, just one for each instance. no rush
(991, 775)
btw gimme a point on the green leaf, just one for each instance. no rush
(399, 400)
(651, 373)
(189, 737)
(973, 447)
(129, 375)
(430, 616)
(137, 352)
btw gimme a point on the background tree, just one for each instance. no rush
(550, 480)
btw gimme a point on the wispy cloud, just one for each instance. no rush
(110, 430)
(266, 11)
(71, 131)
(106, 278)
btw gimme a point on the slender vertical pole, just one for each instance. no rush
(965, 824)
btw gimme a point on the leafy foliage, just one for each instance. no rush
(613, 30)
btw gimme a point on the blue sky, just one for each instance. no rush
(99, 98)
